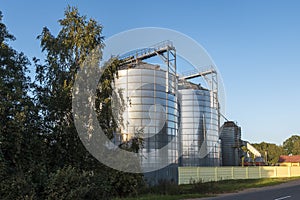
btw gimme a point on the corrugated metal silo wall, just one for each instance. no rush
(151, 107)
(230, 143)
(198, 130)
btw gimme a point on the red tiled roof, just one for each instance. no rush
(295, 158)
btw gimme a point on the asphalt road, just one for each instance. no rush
(285, 191)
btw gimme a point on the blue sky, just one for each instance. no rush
(255, 45)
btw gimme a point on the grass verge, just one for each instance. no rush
(171, 191)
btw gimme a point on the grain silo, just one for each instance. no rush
(179, 119)
(231, 143)
(198, 130)
(151, 107)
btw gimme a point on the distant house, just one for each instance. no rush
(289, 160)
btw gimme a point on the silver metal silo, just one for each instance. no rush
(198, 131)
(231, 141)
(151, 106)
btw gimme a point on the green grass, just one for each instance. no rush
(166, 197)
(171, 191)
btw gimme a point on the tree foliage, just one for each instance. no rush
(292, 145)
(19, 124)
(41, 155)
(65, 53)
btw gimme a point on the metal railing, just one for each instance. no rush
(198, 72)
(140, 53)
